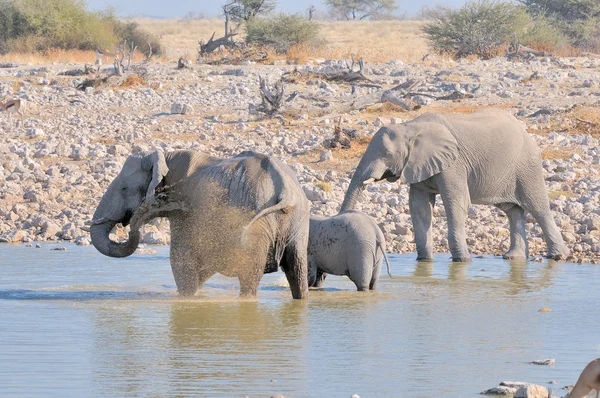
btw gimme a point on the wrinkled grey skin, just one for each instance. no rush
(482, 158)
(241, 217)
(350, 244)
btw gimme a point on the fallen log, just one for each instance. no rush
(212, 45)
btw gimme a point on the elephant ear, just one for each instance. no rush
(432, 148)
(157, 163)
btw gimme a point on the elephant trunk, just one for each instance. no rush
(367, 170)
(102, 242)
(354, 191)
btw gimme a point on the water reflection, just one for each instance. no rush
(202, 346)
(521, 277)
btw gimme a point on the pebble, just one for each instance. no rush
(546, 362)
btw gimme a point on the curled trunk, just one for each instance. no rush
(101, 241)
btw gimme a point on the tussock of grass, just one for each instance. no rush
(325, 186)
(550, 154)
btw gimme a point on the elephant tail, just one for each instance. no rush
(283, 205)
(387, 263)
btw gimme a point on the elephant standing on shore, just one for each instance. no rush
(350, 243)
(241, 217)
(485, 157)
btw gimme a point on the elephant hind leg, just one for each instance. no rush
(518, 236)
(320, 279)
(295, 265)
(360, 267)
(249, 285)
(375, 276)
(251, 272)
(556, 246)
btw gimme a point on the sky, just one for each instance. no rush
(179, 8)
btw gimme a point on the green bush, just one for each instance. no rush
(481, 27)
(40, 25)
(579, 20)
(281, 31)
(477, 28)
(131, 32)
(538, 32)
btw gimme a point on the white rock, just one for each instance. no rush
(34, 132)
(532, 391)
(326, 156)
(181, 109)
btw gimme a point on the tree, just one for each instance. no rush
(241, 11)
(361, 9)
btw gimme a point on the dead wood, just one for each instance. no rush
(342, 138)
(183, 63)
(212, 45)
(515, 50)
(272, 97)
(350, 75)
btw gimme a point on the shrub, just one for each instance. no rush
(131, 32)
(577, 19)
(281, 32)
(40, 25)
(538, 32)
(480, 27)
(477, 28)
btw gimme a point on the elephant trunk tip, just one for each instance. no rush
(100, 234)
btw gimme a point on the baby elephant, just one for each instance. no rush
(349, 243)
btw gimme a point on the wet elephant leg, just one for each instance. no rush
(375, 276)
(250, 276)
(295, 265)
(421, 212)
(185, 269)
(320, 279)
(455, 195)
(518, 236)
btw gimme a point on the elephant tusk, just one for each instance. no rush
(368, 181)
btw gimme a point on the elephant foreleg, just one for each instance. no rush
(186, 271)
(421, 211)
(518, 236)
(455, 195)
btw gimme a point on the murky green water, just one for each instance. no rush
(75, 323)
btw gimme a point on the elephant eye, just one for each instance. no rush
(123, 189)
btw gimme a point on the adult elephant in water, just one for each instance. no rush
(241, 217)
(485, 157)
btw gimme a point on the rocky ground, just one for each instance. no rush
(55, 168)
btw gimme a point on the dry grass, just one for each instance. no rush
(555, 194)
(579, 120)
(325, 186)
(550, 154)
(343, 161)
(587, 120)
(375, 41)
(61, 56)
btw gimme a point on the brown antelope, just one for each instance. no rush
(588, 380)
(15, 105)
